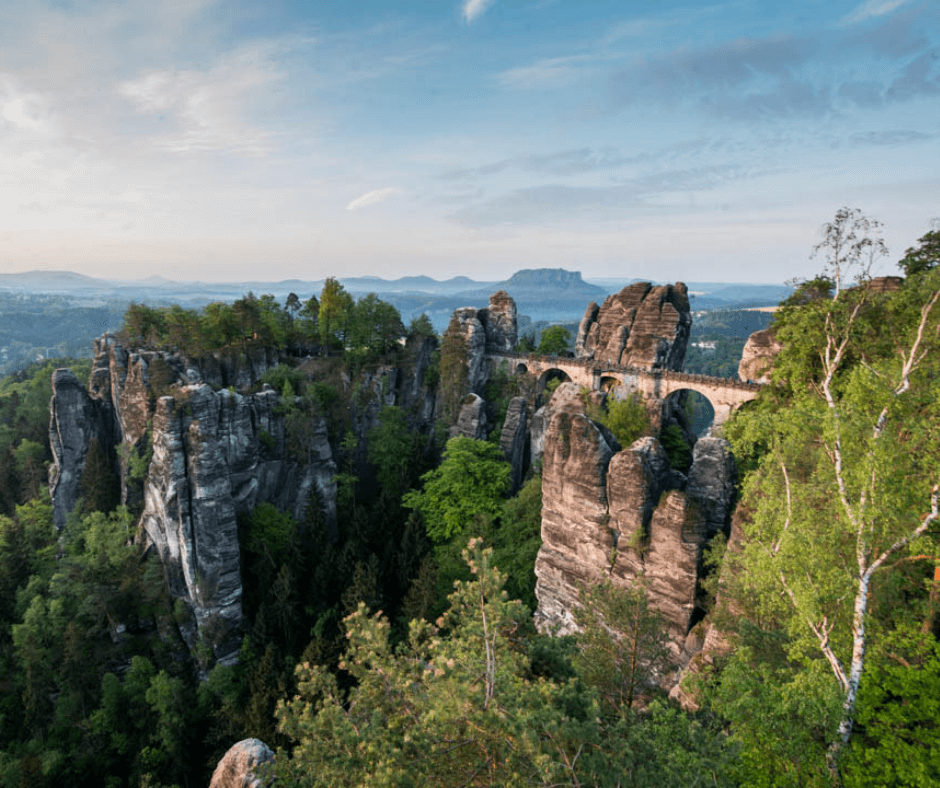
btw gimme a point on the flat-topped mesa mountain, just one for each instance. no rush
(201, 441)
(642, 326)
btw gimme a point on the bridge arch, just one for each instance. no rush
(546, 382)
(693, 409)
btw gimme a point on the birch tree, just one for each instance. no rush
(849, 477)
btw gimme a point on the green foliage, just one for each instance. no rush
(843, 453)
(376, 326)
(99, 487)
(626, 418)
(470, 482)
(281, 375)
(923, 257)
(555, 341)
(421, 326)
(898, 715)
(676, 446)
(517, 539)
(459, 704)
(270, 534)
(393, 450)
(622, 646)
(453, 371)
(526, 343)
(335, 315)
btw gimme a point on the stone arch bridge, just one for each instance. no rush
(724, 394)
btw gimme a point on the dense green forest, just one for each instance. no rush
(37, 327)
(401, 651)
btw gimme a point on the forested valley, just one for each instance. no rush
(396, 646)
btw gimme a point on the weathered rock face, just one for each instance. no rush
(472, 420)
(514, 439)
(499, 320)
(214, 454)
(641, 326)
(466, 320)
(567, 398)
(624, 515)
(488, 330)
(76, 421)
(577, 542)
(758, 356)
(209, 463)
(238, 765)
(706, 648)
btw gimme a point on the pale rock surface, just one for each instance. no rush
(466, 320)
(758, 356)
(76, 419)
(209, 462)
(577, 542)
(566, 398)
(617, 514)
(237, 767)
(642, 326)
(492, 329)
(471, 423)
(499, 320)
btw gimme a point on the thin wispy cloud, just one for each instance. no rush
(371, 198)
(208, 107)
(871, 8)
(474, 9)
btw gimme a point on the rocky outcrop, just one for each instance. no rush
(566, 398)
(492, 329)
(209, 463)
(577, 542)
(77, 421)
(514, 439)
(238, 765)
(467, 324)
(642, 326)
(758, 356)
(471, 423)
(499, 320)
(215, 453)
(626, 515)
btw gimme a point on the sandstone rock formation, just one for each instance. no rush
(641, 326)
(237, 767)
(471, 423)
(567, 398)
(758, 356)
(77, 420)
(514, 439)
(499, 320)
(488, 330)
(467, 323)
(624, 515)
(214, 453)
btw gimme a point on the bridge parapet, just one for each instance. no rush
(561, 362)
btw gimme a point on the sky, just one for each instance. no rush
(264, 139)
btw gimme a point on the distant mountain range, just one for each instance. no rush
(543, 294)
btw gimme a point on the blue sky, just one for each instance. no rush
(269, 140)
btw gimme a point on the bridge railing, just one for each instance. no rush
(592, 365)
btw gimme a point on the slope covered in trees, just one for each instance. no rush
(400, 650)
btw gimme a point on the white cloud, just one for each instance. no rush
(208, 106)
(473, 9)
(370, 198)
(871, 8)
